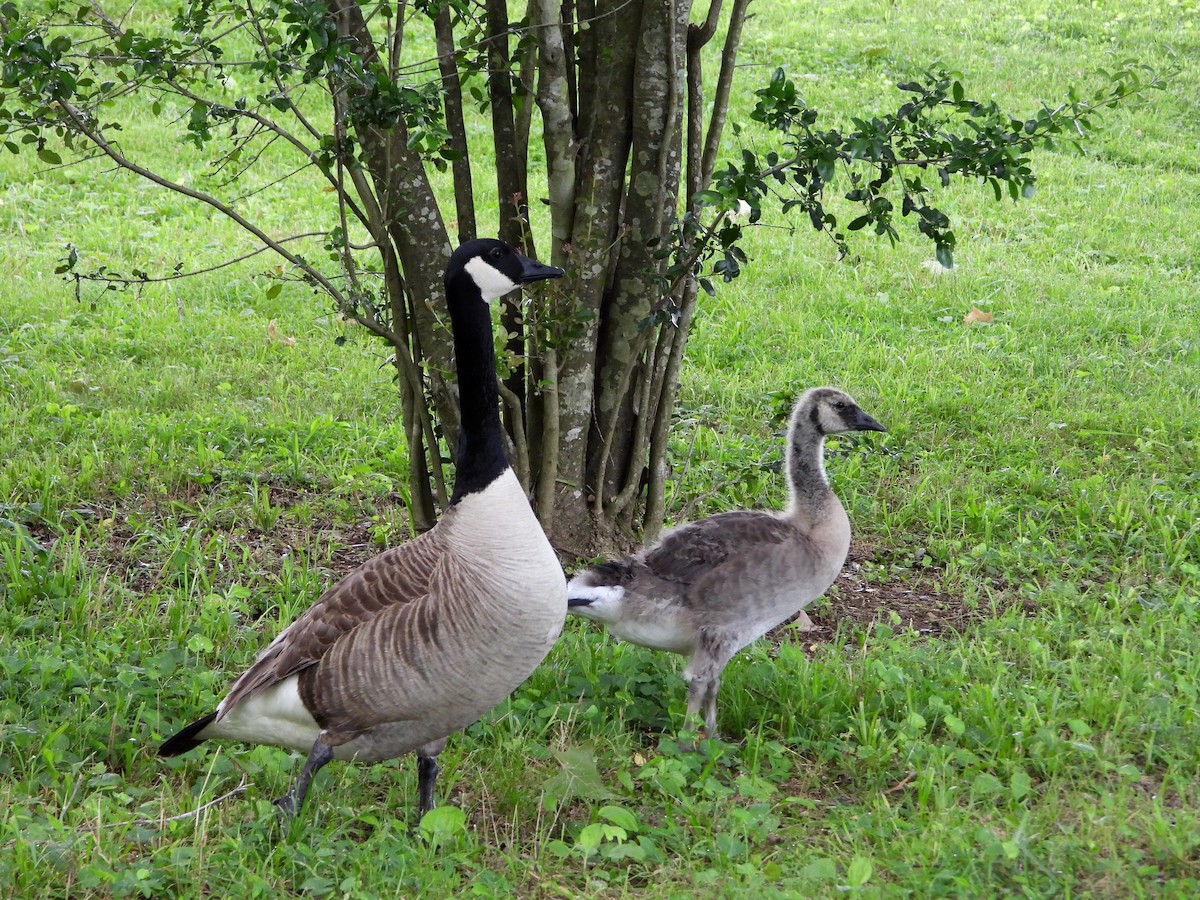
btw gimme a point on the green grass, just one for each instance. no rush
(177, 485)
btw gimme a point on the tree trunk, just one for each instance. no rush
(589, 403)
(625, 401)
(414, 226)
(605, 135)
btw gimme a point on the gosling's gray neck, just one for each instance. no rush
(810, 491)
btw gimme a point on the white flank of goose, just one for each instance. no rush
(424, 638)
(709, 588)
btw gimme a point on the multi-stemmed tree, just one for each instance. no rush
(620, 166)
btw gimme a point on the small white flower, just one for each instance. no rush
(935, 267)
(740, 212)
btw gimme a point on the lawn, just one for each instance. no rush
(1002, 697)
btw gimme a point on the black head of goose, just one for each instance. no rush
(710, 587)
(424, 638)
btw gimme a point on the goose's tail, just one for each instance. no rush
(187, 739)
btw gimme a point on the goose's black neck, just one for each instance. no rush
(480, 457)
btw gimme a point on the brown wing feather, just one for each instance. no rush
(399, 575)
(693, 551)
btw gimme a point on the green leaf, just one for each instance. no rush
(730, 845)
(442, 823)
(579, 776)
(1019, 785)
(1129, 771)
(953, 723)
(316, 886)
(987, 784)
(590, 837)
(945, 256)
(826, 165)
(820, 869)
(273, 291)
(1079, 728)
(859, 871)
(46, 155)
(619, 816)
(198, 643)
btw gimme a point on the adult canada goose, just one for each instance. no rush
(710, 587)
(424, 638)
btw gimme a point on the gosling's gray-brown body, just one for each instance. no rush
(424, 638)
(710, 587)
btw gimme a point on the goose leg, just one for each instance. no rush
(710, 706)
(804, 623)
(697, 692)
(291, 803)
(702, 695)
(703, 674)
(427, 773)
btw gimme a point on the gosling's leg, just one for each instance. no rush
(697, 691)
(292, 802)
(703, 674)
(803, 623)
(710, 706)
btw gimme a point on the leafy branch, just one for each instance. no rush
(887, 161)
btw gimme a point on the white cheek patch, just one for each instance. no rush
(492, 283)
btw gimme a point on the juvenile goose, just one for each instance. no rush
(424, 638)
(710, 587)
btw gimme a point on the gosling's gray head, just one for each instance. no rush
(828, 410)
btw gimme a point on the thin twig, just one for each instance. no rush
(191, 814)
(902, 783)
(520, 445)
(79, 120)
(114, 279)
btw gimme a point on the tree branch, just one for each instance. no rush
(460, 165)
(80, 123)
(668, 386)
(558, 126)
(520, 445)
(720, 107)
(700, 35)
(551, 430)
(175, 276)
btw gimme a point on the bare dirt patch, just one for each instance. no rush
(862, 597)
(866, 591)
